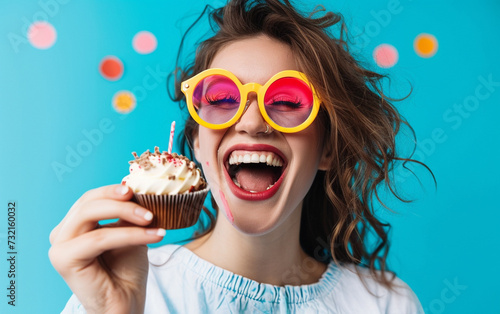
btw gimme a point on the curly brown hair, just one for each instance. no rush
(359, 121)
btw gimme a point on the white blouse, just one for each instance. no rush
(181, 282)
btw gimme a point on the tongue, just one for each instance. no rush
(255, 178)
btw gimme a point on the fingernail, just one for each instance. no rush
(122, 189)
(159, 232)
(141, 212)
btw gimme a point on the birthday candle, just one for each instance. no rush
(171, 141)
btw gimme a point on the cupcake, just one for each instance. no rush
(170, 186)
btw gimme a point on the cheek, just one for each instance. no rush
(208, 164)
(209, 143)
(207, 153)
(307, 155)
(308, 145)
(205, 145)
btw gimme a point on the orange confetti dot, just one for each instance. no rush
(124, 101)
(425, 45)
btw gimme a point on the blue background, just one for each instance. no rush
(448, 236)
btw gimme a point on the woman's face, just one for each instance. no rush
(242, 192)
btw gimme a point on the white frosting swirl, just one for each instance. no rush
(163, 174)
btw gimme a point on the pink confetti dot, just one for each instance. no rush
(144, 42)
(42, 35)
(385, 55)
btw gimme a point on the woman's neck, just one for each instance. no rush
(275, 258)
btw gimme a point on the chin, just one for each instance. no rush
(250, 222)
(254, 228)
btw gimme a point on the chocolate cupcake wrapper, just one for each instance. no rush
(173, 211)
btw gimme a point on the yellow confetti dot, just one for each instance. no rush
(425, 45)
(124, 101)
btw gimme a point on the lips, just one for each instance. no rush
(260, 155)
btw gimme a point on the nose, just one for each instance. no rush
(252, 121)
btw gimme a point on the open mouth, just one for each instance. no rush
(254, 174)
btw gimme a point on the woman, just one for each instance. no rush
(292, 167)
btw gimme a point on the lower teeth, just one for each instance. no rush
(239, 185)
(236, 183)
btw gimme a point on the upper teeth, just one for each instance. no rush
(268, 158)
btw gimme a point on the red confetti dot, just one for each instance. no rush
(111, 68)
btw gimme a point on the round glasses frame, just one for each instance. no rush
(189, 86)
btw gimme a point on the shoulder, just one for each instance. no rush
(359, 287)
(162, 253)
(166, 260)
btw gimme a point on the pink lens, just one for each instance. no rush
(289, 102)
(216, 99)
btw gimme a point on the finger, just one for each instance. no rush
(86, 217)
(85, 248)
(116, 191)
(117, 224)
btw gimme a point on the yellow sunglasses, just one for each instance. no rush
(216, 99)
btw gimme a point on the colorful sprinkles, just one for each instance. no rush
(145, 163)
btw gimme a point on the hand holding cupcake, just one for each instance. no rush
(169, 185)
